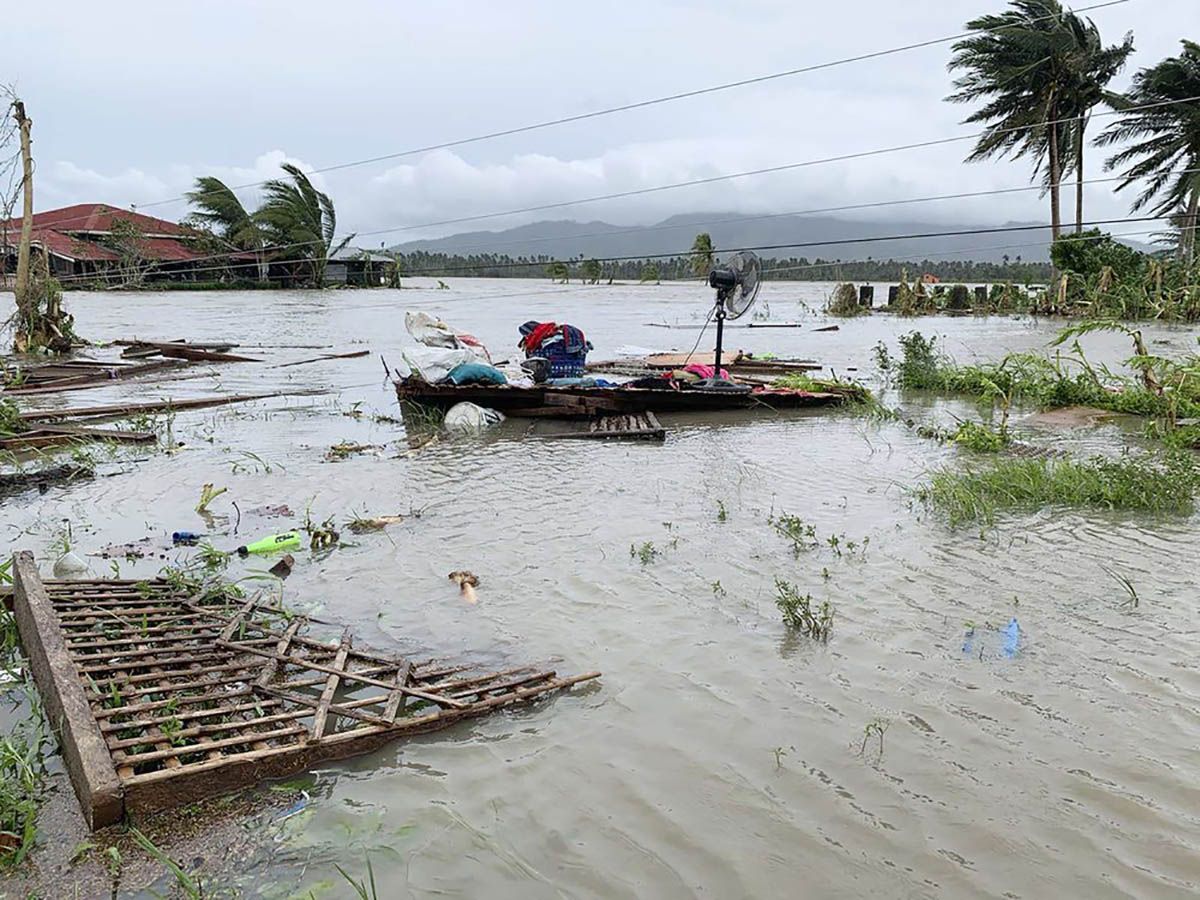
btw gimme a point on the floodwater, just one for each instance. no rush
(718, 756)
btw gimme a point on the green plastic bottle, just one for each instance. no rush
(289, 540)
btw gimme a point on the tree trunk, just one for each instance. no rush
(1055, 177)
(1187, 235)
(1081, 127)
(26, 311)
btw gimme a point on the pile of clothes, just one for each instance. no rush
(564, 347)
(678, 379)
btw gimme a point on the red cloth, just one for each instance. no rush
(534, 339)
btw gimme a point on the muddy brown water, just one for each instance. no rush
(718, 756)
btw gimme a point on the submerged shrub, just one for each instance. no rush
(844, 302)
(1128, 483)
(800, 612)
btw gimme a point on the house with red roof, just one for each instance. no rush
(93, 239)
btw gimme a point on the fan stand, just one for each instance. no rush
(717, 383)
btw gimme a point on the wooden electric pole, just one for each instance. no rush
(22, 287)
(26, 302)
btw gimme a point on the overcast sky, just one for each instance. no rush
(133, 100)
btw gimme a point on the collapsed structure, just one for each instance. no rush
(163, 696)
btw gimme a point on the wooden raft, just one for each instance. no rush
(643, 426)
(161, 699)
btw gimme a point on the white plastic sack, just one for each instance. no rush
(433, 364)
(432, 332)
(467, 418)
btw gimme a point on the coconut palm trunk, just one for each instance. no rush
(1055, 162)
(1080, 128)
(1187, 236)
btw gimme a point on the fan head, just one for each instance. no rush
(739, 279)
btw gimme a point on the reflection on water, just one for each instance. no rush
(718, 756)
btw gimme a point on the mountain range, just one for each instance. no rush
(569, 239)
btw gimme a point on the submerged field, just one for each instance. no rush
(722, 754)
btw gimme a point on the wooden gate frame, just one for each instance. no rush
(162, 699)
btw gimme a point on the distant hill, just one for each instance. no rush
(568, 239)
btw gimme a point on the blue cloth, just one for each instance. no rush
(587, 381)
(476, 373)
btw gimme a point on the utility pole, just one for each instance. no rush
(25, 305)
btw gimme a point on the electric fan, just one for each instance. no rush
(737, 284)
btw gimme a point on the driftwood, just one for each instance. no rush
(303, 362)
(57, 436)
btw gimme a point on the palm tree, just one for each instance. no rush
(702, 254)
(295, 215)
(1167, 153)
(1019, 64)
(219, 210)
(1093, 66)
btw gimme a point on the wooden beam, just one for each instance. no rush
(331, 684)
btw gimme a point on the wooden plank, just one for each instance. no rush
(395, 700)
(271, 669)
(130, 409)
(349, 676)
(331, 683)
(335, 708)
(88, 760)
(302, 362)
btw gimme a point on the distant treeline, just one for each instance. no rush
(489, 265)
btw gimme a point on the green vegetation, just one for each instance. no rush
(800, 612)
(22, 772)
(646, 554)
(296, 224)
(1163, 388)
(559, 272)
(702, 256)
(1038, 65)
(844, 302)
(1159, 114)
(10, 418)
(677, 268)
(1128, 483)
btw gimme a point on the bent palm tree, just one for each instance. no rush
(1161, 113)
(219, 210)
(300, 218)
(1019, 63)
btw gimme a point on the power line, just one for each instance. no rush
(641, 104)
(769, 170)
(853, 207)
(728, 176)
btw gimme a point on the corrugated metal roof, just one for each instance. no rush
(349, 254)
(98, 217)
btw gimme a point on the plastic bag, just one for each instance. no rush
(433, 364)
(432, 332)
(467, 418)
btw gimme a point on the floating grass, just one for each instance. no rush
(1128, 483)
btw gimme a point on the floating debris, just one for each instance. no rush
(467, 582)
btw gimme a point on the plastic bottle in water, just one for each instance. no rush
(289, 540)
